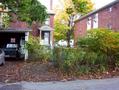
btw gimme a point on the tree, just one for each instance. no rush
(26, 10)
(72, 7)
(83, 6)
(60, 30)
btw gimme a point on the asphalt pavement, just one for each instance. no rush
(105, 84)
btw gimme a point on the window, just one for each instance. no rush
(109, 26)
(1, 21)
(13, 40)
(89, 23)
(95, 21)
(47, 22)
(11, 46)
(110, 9)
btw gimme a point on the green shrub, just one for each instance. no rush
(98, 51)
(78, 60)
(102, 41)
(65, 58)
(36, 51)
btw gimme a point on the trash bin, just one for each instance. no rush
(2, 57)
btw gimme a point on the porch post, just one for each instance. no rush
(51, 39)
(26, 40)
(40, 36)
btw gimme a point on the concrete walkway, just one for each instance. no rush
(106, 84)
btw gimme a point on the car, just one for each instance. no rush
(11, 50)
(2, 57)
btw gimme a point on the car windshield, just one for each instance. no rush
(11, 46)
(0, 51)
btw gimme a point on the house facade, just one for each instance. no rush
(105, 17)
(14, 36)
(45, 32)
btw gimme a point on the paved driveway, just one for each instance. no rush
(106, 84)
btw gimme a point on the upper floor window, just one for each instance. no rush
(47, 22)
(110, 9)
(95, 21)
(1, 19)
(89, 23)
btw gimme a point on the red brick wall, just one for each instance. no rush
(80, 29)
(35, 26)
(16, 24)
(52, 26)
(52, 21)
(105, 17)
(35, 31)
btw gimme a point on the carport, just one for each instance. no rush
(15, 36)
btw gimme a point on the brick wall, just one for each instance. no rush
(35, 26)
(52, 21)
(106, 18)
(35, 31)
(52, 26)
(16, 24)
(80, 29)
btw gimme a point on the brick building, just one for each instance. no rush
(13, 36)
(45, 31)
(105, 17)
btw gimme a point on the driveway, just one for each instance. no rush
(106, 84)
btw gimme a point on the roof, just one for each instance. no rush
(95, 11)
(14, 30)
(46, 28)
(51, 12)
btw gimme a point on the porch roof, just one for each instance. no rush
(46, 28)
(15, 30)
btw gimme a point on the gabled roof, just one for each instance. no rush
(95, 11)
(46, 28)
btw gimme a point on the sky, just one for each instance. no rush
(98, 3)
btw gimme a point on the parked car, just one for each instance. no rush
(11, 50)
(2, 57)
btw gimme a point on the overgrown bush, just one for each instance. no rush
(103, 41)
(66, 58)
(77, 60)
(36, 51)
(98, 51)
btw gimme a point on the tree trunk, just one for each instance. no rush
(69, 33)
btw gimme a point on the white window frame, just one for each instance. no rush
(47, 21)
(109, 26)
(95, 21)
(110, 9)
(89, 23)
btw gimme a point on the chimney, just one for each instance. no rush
(51, 4)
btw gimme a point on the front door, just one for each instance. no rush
(46, 38)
